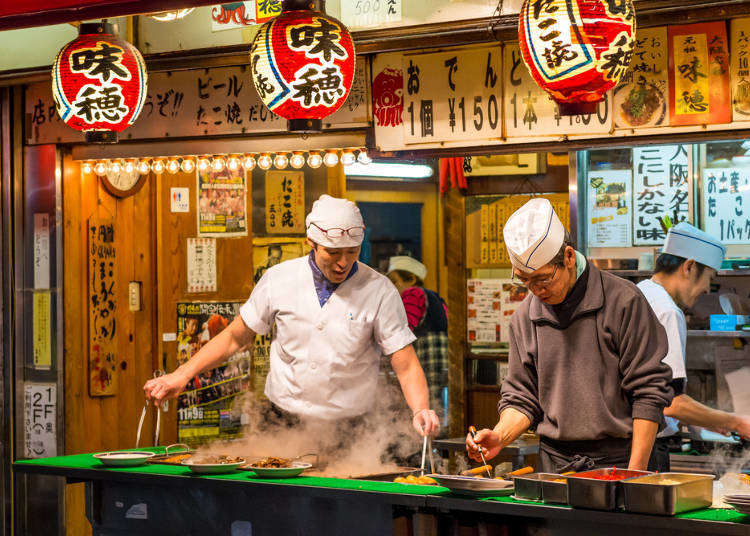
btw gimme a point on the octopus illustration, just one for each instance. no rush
(388, 97)
(232, 12)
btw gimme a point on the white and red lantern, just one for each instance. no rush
(577, 50)
(99, 83)
(302, 64)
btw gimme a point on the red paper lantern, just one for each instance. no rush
(302, 64)
(99, 83)
(577, 50)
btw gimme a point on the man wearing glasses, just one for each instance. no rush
(333, 319)
(585, 357)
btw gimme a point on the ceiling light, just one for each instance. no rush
(280, 161)
(233, 163)
(157, 166)
(129, 167)
(331, 158)
(347, 157)
(188, 165)
(115, 167)
(87, 167)
(168, 16)
(173, 166)
(297, 160)
(248, 162)
(203, 164)
(143, 167)
(264, 161)
(363, 157)
(383, 169)
(100, 169)
(314, 160)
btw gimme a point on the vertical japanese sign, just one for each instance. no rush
(740, 67)
(610, 222)
(102, 300)
(726, 202)
(661, 187)
(453, 95)
(483, 311)
(699, 74)
(531, 112)
(41, 251)
(222, 205)
(201, 265)
(40, 420)
(285, 202)
(42, 331)
(367, 13)
(642, 95)
(205, 409)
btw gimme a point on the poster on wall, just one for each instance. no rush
(641, 97)
(610, 221)
(739, 30)
(268, 252)
(206, 409)
(699, 74)
(661, 187)
(726, 204)
(285, 202)
(490, 304)
(233, 15)
(201, 265)
(222, 205)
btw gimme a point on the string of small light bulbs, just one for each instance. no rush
(232, 162)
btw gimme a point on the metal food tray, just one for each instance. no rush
(587, 491)
(555, 492)
(529, 486)
(657, 494)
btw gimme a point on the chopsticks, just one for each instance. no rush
(424, 452)
(473, 432)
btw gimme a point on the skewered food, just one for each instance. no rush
(273, 461)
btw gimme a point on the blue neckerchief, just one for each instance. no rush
(323, 287)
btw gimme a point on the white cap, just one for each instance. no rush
(408, 264)
(533, 235)
(334, 213)
(684, 240)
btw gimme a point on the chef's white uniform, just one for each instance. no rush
(673, 319)
(324, 360)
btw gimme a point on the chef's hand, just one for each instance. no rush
(488, 440)
(426, 422)
(741, 425)
(165, 387)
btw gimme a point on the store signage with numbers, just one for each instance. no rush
(453, 95)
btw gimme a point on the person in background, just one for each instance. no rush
(428, 319)
(585, 357)
(683, 271)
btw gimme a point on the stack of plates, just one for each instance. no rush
(740, 501)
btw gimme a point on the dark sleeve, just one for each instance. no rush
(520, 388)
(678, 386)
(643, 345)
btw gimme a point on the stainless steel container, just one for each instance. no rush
(530, 486)
(668, 493)
(554, 491)
(588, 490)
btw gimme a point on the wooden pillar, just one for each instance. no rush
(455, 259)
(336, 180)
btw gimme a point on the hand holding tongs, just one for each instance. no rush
(473, 432)
(165, 407)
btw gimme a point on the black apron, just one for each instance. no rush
(563, 456)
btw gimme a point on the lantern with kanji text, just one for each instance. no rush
(577, 50)
(302, 64)
(99, 83)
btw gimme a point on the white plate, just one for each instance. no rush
(123, 458)
(212, 468)
(475, 486)
(280, 472)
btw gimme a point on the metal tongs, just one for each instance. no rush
(473, 432)
(427, 445)
(165, 407)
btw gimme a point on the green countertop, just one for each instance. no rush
(88, 462)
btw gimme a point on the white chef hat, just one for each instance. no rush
(408, 264)
(533, 235)
(334, 213)
(684, 240)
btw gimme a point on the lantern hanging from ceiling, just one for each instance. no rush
(577, 50)
(302, 64)
(99, 83)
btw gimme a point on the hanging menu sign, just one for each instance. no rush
(740, 68)
(661, 186)
(726, 202)
(610, 222)
(197, 102)
(455, 95)
(530, 111)
(642, 95)
(699, 74)
(102, 305)
(285, 202)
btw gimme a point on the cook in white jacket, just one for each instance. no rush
(334, 317)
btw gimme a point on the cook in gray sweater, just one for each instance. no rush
(585, 357)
